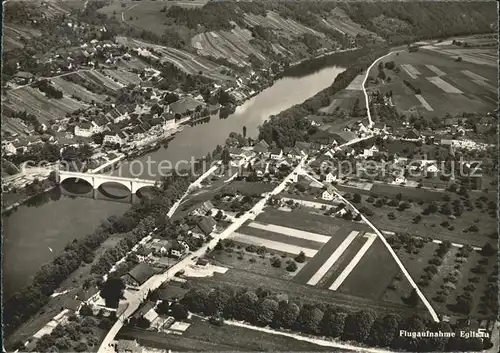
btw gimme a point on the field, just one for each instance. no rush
(334, 249)
(340, 21)
(416, 263)
(35, 102)
(70, 89)
(189, 63)
(202, 336)
(232, 45)
(145, 15)
(447, 86)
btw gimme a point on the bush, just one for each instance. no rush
(301, 257)
(292, 267)
(276, 262)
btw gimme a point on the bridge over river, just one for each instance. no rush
(96, 180)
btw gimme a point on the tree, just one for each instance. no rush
(310, 318)
(358, 325)
(179, 311)
(219, 301)
(413, 299)
(384, 331)
(267, 309)
(287, 315)
(332, 323)
(276, 262)
(356, 198)
(163, 308)
(246, 306)
(86, 310)
(488, 250)
(226, 157)
(112, 291)
(301, 257)
(292, 266)
(244, 131)
(196, 300)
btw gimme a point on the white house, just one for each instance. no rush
(330, 178)
(169, 122)
(370, 151)
(276, 153)
(327, 196)
(432, 170)
(10, 149)
(112, 139)
(87, 129)
(399, 180)
(84, 129)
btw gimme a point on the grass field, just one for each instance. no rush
(300, 292)
(415, 264)
(372, 274)
(430, 225)
(35, 102)
(202, 336)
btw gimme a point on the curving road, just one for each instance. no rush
(367, 101)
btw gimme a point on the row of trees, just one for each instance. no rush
(263, 308)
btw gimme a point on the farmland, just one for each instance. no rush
(446, 86)
(201, 336)
(35, 102)
(189, 63)
(456, 271)
(332, 256)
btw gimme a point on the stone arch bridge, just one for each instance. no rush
(96, 180)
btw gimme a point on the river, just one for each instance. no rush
(34, 234)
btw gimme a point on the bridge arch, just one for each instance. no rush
(88, 179)
(99, 182)
(137, 188)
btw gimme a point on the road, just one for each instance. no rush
(391, 251)
(135, 299)
(370, 124)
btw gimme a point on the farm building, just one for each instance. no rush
(276, 153)
(138, 275)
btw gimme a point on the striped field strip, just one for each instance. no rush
(274, 245)
(341, 278)
(291, 232)
(332, 259)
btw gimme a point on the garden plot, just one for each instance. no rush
(332, 259)
(35, 102)
(372, 273)
(357, 83)
(371, 237)
(411, 70)
(124, 77)
(445, 86)
(425, 104)
(72, 89)
(100, 79)
(281, 238)
(291, 232)
(434, 69)
(285, 239)
(341, 22)
(274, 245)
